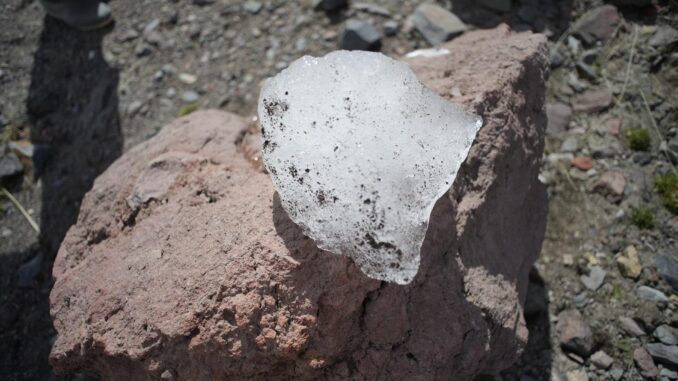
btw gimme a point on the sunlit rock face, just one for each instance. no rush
(359, 152)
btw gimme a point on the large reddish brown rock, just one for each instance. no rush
(183, 265)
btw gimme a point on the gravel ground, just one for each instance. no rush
(81, 99)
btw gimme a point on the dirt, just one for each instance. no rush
(84, 98)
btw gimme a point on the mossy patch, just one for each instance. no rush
(638, 139)
(187, 109)
(642, 217)
(667, 187)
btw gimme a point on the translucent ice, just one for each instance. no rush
(359, 152)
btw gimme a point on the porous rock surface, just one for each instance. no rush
(184, 266)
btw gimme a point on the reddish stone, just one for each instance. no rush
(645, 363)
(610, 184)
(613, 126)
(582, 162)
(593, 100)
(597, 24)
(574, 333)
(183, 265)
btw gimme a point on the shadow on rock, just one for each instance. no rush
(426, 329)
(537, 358)
(73, 109)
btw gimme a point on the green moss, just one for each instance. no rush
(624, 345)
(642, 217)
(638, 139)
(616, 292)
(187, 109)
(667, 187)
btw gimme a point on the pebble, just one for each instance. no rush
(610, 184)
(360, 35)
(629, 263)
(570, 144)
(666, 374)
(594, 100)
(597, 24)
(153, 38)
(574, 45)
(642, 158)
(665, 334)
(455, 92)
(630, 326)
(436, 23)
(665, 35)
(169, 69)
(391, 28)
(151, 26)
(167, 375)
(574, 333)
(188, 79)
(190, 96)
(577, 375)
(613, 126)
(134, 107)
(672, 153)
(580, 300)
(10, 166)
(667, 267)
(127, 35)
(556, 157)
(649, 293)
(644, 363)
(594, 279)
(601, 360)
(617, 373)
(575, 83)
(253, 7)
(663, 354)
(142, 49)
(558, 117)
(583, 163)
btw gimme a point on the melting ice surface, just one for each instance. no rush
(359, 152)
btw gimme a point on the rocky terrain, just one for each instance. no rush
(601, 304)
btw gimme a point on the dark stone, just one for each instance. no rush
(663, 354)
(668, 269)
(436, 23)
(597, 24)
(360, 35)
(331, 5)
(10, 166)
(574, 333)
(642, 158)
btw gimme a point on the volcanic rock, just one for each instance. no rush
(183, 265)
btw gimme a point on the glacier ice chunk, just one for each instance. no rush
(359, 152)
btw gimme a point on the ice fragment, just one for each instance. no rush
(359, 152)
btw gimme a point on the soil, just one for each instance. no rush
(83, 98)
